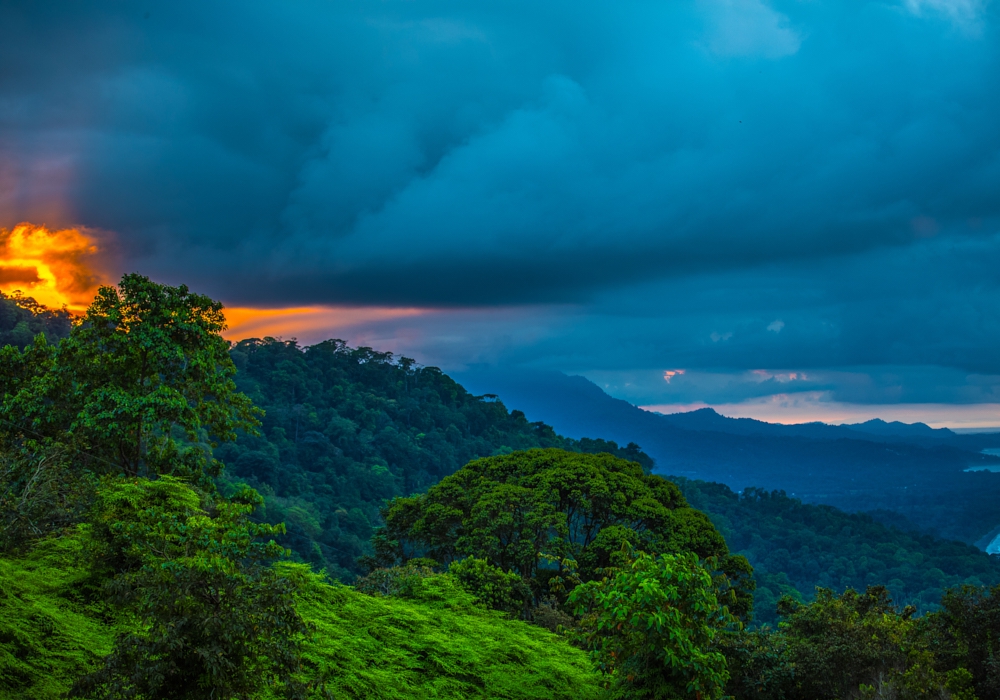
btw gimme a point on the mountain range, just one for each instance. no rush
(938, 480)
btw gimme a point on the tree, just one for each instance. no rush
(967, 632)
(493, 587)
(530, 512)
(758, 664)
(142, 386)
(651, 626)
(858, 645)
(212, 619)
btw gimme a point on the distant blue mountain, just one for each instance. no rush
(877, 426)
(708, 419)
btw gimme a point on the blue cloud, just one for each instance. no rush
(681, 177)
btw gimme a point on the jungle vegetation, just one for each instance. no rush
(796, 547)
(344, 429)
(132, 565)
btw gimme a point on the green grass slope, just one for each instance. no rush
(49, 632)
(439, 645)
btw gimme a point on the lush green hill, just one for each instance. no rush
(795, 547)
(53, 629)
(346, 428)
(187, 574)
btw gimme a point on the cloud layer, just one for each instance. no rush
(717, 185)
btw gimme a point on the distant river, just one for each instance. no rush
(995, 451)
(994, 546)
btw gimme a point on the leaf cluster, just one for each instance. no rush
(651, 626)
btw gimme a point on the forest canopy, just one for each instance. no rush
(532, 512)
(344, 429)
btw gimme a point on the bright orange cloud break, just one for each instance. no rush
(57, 268)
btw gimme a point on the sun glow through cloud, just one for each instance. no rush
(58, 268)
(63, 268)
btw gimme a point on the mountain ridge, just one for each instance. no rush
(922, 476)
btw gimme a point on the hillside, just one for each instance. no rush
(345, 428)
(795, 547)
(125, 572)
(54, 627)
(574, 403)
(22, 318)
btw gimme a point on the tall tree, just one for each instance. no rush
(967, 633)
(531, 512)
(143, 384)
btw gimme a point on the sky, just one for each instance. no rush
(787, 209)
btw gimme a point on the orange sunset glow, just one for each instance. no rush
(60, 268)
(55, 267)
(305, 321)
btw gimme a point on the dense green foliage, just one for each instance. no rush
(40, 492)
(966, 633)
(208, 611)
(651, 626)
(53, 626)
(22, 318)
(856, 645)
(436, 643)
(795, 547)
(346, 428)
(495, 588)
(143, 387)
(531, 512)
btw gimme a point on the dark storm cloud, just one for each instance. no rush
(717, 184)
(439, 153)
